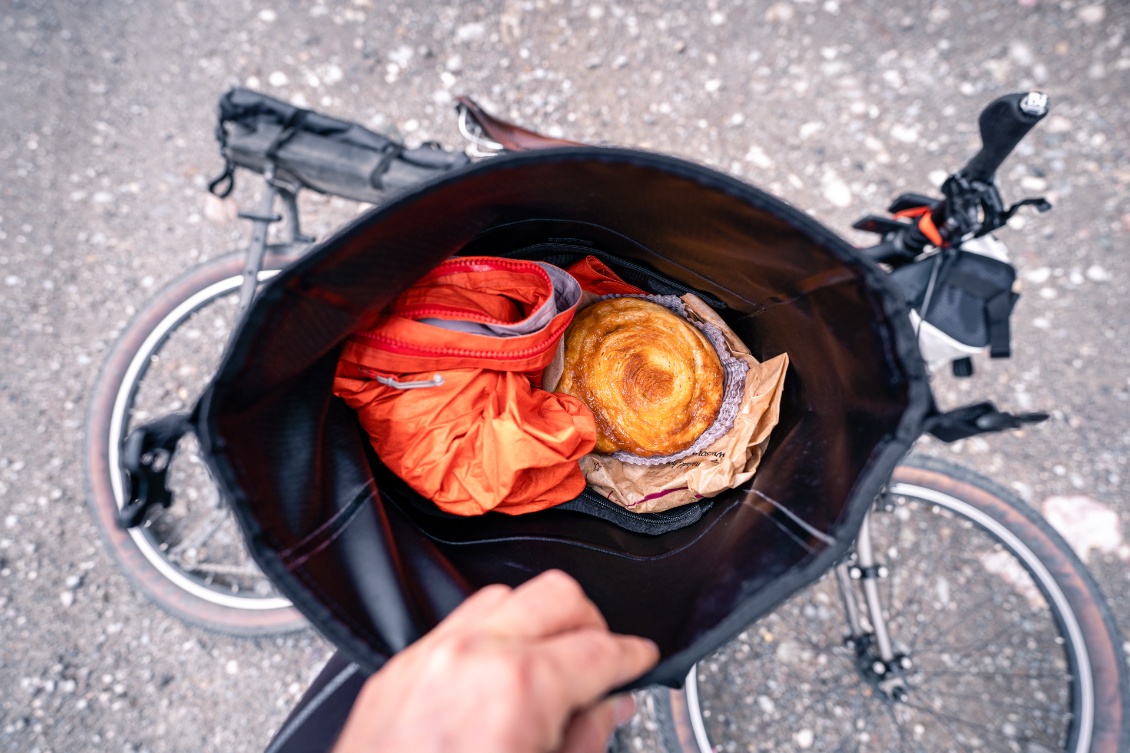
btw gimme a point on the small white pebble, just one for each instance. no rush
(757, 156)
(402, 55)
(268, 16)
(804, 738)
(232, 667)
(470, 32)
(278, 78)
(1091, 14)
(780, 12)
(810, 128)
(905, 134)
(836, 191)
(67, 598)
(1095, 273)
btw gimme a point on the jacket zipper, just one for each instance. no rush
(401, 348)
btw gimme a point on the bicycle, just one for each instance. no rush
(1027, 572)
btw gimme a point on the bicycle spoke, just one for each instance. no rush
(1011, 675)
(897, 726)
(958, 616)
(196, 536)
(977, 725)
(932, 649)
(980, 699)
(941, 723)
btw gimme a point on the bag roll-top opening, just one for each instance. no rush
(374, 568)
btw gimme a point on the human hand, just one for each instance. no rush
(519, 670)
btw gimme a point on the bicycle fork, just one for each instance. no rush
(868, 636)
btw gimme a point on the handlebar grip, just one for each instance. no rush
(1004, 122)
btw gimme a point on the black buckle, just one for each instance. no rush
(979, 418)
(146, 457)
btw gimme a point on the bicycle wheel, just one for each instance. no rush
(1011, 646)
(190, 558)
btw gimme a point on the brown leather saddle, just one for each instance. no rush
(512, 137)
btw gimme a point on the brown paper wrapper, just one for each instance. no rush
(729, 461)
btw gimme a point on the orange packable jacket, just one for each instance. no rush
(445, 385)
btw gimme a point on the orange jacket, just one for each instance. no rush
(481, 436)
(595, 277)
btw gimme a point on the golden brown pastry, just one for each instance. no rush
(653, 381)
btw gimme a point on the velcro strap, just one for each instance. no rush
(999, 309)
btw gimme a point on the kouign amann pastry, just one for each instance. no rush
(653, 380)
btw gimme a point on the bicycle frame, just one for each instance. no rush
(261, 222)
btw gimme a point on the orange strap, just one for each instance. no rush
(925, 223)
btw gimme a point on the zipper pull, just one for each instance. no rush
(435, 381)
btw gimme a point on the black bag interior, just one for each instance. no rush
(374, 566)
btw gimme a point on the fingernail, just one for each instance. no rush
(625, 709)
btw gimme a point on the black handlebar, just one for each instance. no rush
(971, 205)
(1004, 123)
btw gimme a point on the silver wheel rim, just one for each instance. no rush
(117, 418)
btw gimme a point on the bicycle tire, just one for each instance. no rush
(139, 552)
(968, 502)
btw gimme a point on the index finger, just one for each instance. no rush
(545, 606)
(584, 665)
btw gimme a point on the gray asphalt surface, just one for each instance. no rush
(106, 145)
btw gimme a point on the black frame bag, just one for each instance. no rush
(374, 566)
(310, 150)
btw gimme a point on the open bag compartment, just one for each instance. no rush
(373, 570)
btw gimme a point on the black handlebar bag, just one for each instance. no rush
(374, 566)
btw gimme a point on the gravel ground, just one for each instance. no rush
(834, 105)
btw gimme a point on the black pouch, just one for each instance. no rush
(316, 151)
(373, 571)
(967, 296)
